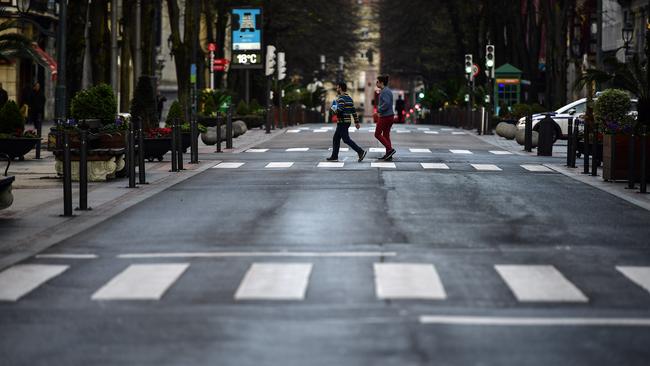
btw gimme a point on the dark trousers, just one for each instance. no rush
(343, 133)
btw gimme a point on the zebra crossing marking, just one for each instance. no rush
(533, 321)
(420, 150)
(459, 133)
(377, 149)
(257, 150)
(383, 165)
(539, 283)
(536, 168)
(228, 165)
(403, 131)
(432, 132)
(434, 166)
(447, 129)
(320, 131)
(275, 281)
(254, 254)
(297, 149)
(293, 131)
(638, 275)
(466, 152)
(500, 152)
(423, 128)
(486, 167)
(141, 282)
(341, 149)
(21, 279)
(276, 165)
(408, 281)
(331, 164)
(66, 256)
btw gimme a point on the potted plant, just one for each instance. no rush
(157, 142)
(176, 113)
(613, 120)
(15, 142)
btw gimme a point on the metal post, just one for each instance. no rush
(643, 177)
(269, 106)
(631, 181)
(61, 60)
(248, 86)
(194, 143)
(39, 131)
(67, 176)
(585, 148)
(174, 143)
(574, 145)
(229, 128)
(281, 109)
(131, 156)
(142, 174)
(219, 123)
(137, 60)
(83, 172)
(114, 49)
(528, 134)
(569, 143)
(179, 145)
(594, 160)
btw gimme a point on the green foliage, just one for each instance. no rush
(611, 112)
(521, 110)
(11, 121)
(175, 111)
(242, 108)
(143, 104)
(97, 102)
(254, 107)
(186, 128)
(211, 101)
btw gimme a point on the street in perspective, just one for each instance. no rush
(350, 182)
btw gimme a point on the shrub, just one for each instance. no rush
(520, 110)
(255, 107)
(611, 112)
(97, 102)
(242, 108)
(143, 104)
(175, 111)
(11, 121)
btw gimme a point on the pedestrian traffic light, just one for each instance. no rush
(489, 61)
(282, 66)
(270, 60)
(469, 63)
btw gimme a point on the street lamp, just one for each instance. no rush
(627, 34)
(23, 6)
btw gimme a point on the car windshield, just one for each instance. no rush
(580, 108)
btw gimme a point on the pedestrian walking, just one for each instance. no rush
(4, 97)
(399, 109)
(160, 105)
(385, 117)
(346, 114)
(36, 106)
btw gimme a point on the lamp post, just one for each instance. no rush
(627, 33)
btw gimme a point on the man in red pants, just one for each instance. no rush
(385, 116)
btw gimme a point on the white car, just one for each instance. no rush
(561, 117)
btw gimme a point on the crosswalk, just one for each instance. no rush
(290, 281)
(395, 130)
(383, 150)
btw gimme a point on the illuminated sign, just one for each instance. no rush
(247, 39)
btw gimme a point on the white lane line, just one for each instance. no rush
(331, 164)
(293, 131)
(531, 283)
(486, 167)
(279, 165)
(275, 281)
(21, 279)
(638, 275)
(254, 254)
(423, 128)
(341, 149)
(141, 282)
(431, 132)
(296, 149)
(459, 133)
(536, 168)
(383, 165)
(257, 150)
(420, 150)
(377, 149)
(66, 256)
(460, 152)
(371, 130)
(500, 152)
(408, 281)
(303, 128)
(228, 165)
(434, 166)
(521, 321)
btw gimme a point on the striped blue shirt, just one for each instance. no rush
(345, 110)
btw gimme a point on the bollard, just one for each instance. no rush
(269, 115)
(585, 148)
(545, 142)
(219, 123)
(574, 144)
(67, 176)
(643, 177)
(631, 181)
(142, 174)
(179, 145)
(528, 134)
(131, 156)
(39, 131)
(83, 172)
(194, 145)
(569, 143)
(594, 160)
(229, 128)
(174, 143)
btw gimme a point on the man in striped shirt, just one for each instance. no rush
(346, 115)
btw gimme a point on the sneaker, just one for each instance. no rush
(362, 155)
(389, 155)
(331, 158)
(390, 158)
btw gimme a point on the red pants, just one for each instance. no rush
(382, 131)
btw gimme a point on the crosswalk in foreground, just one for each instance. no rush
(536, 168)
(290, 281)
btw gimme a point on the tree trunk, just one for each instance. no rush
(99, 38)
(182, 50)
(556, 51)
(75, 49)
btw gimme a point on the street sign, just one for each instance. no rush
(246, 38)
(212, 47)
(193, 74)
(219, 64)
(475, 70)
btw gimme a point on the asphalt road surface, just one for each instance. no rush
(458, 254)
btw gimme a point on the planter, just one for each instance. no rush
(116, 140)
(156, 148)
(187, 140)
(6, 197)
(208, 121)
(103, 164)
(17, 147)
(615, 157)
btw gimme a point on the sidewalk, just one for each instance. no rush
(33, 223)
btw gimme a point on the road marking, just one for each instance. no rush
(377, 149)
(331, 164)
(295, 149)
(520, 321)
(320, 131)
(141, 282)
(459, 133)
(447, 129)
(403, 131)
(275, 281)
(500, 152)
(434, 166)
(431, 132)
(228, 165)
(66, 256)
(279, 165)
(423, 128)
(253, 254)
(303, 128)
(536, 168)
(372, 130)
(420, 150)
(341, 149)
(486, 167)
(460, 152)
(408, 281)
(638, 275)
(382, 165)
(531, 283)
(257, 150)
(21, 279)
(293, 131)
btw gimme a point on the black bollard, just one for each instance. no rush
(528, 134)
(142, 174)
(194, 148)
(545, 140)
(574, 144)
(569, 143)
(39, 131)
(644, 178)
(83, 172)
(174, 143)
(179, 145)
(585, 148)
(594, 160)
(131, 155)
(219, 123)
(67, 176)
(229, 128)
(631, 180)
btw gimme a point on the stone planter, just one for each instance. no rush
(507, 130)
(615, 151)
(115, 140)
(156, 148)
(103, 164)
(6, 197)
(17, 147)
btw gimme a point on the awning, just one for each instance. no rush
(44, 59)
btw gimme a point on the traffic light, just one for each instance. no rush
(469, 64)
(270, 60)
(282, 66)
(490, 61)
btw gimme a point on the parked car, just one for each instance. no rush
(561, 117)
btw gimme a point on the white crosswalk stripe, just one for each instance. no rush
(377, 149)
(434, 166)
(539, 283)
(383, 165)
(257, 150)
(297, 149)
(141, 282)
(466, 152)
(341, 149)
(423, 128)
(500, 152)
(293, 131)
(638, 275)
(275, 281)
(331, 164)
(228, 165)
(276, 165)
(486, 167)
(459, 133)
(21, 279)
(536, 168)
(432, 132)
(408, 281)
(420, 150)
(320, 131)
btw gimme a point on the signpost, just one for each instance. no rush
(247, 42)
(212, 47)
